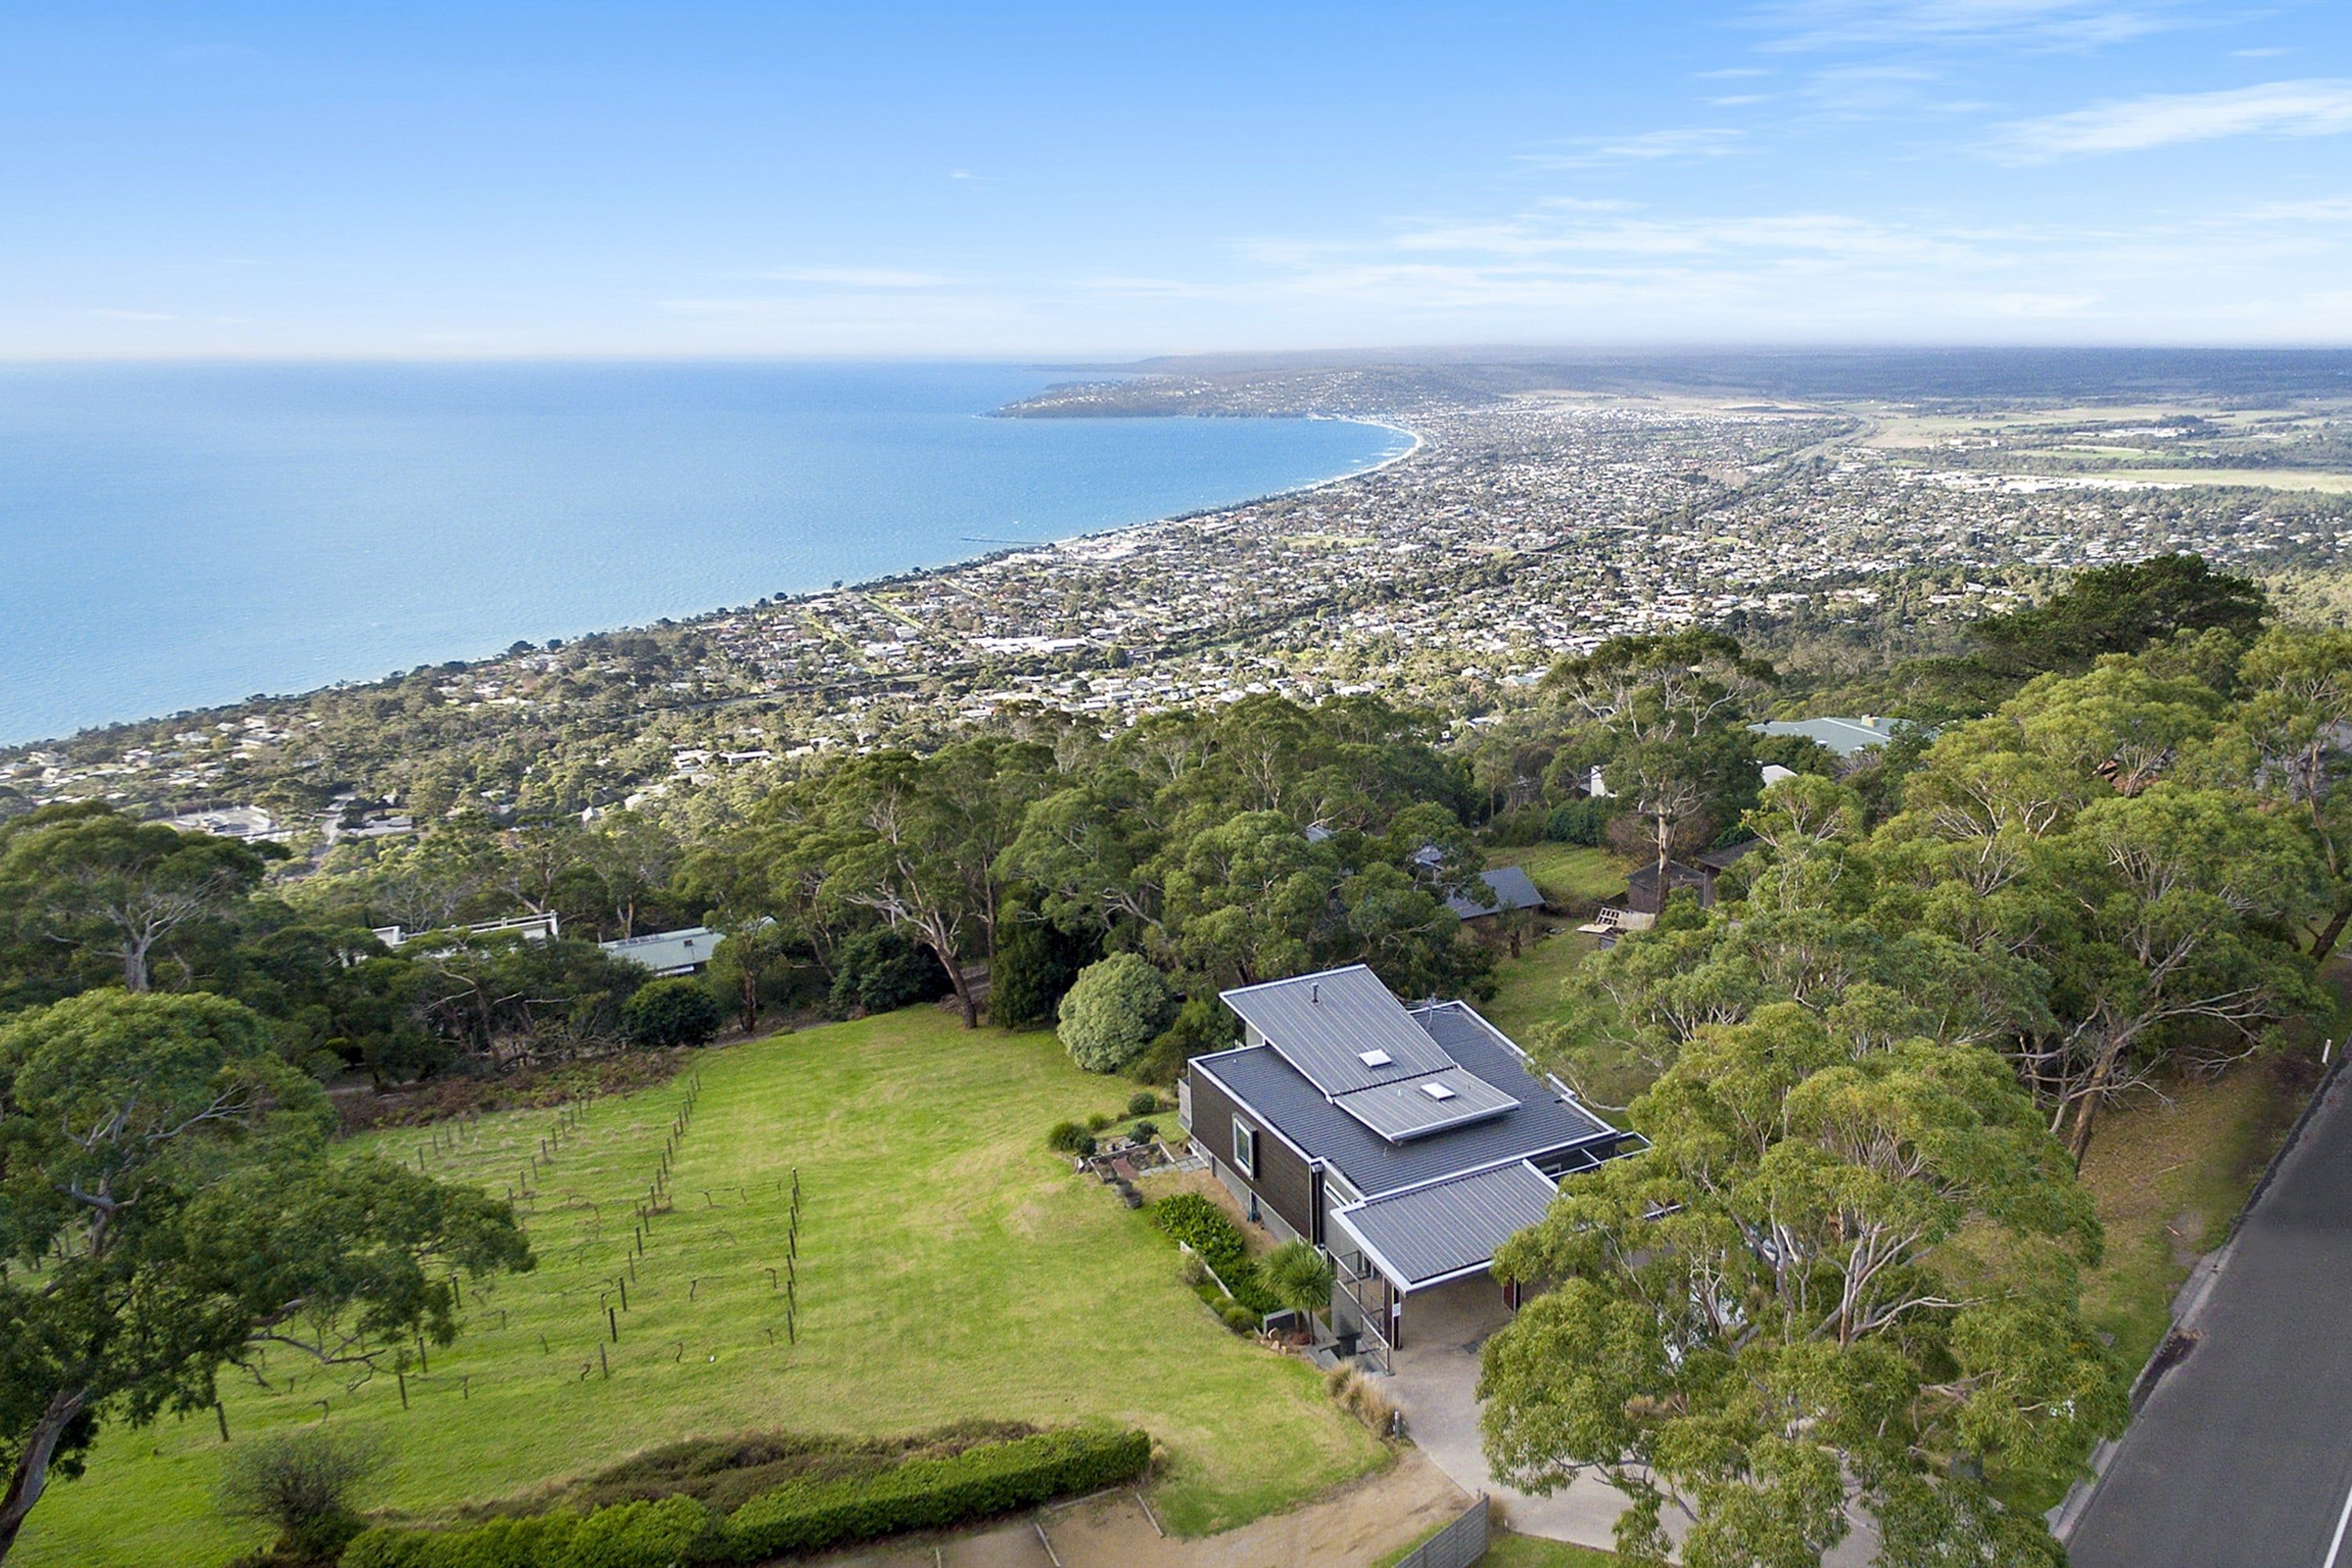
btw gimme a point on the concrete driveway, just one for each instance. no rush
(1435, 1385)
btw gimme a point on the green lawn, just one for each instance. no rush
(1507, 1551)
(1534, 1551)
(1530, 986)
(1566, 874)
(948, 1268)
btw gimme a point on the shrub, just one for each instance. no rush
(879, 971)
(1518, 829)
(679, 1011)
(1361, 1398)
(662, 1534)
(1098, 1121)
(727, 1472)
(644, 1535)
(1297, 1276)
(1113, 1011)
(1240, 1318)
(1580, 821)
(1203, 1226)
(1203, 1025)
(1144, 1131)
(302, 1483)
(1031, 972)
(809, 1515)
(540, 1543)
(1142, 1103)
(1070, 1138)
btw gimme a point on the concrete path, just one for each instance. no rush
(2242, 1454)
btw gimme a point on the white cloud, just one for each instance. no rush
(1806, 25)
(1642, 147)
(2315, 108)
(856, 277)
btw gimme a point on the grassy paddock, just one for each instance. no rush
(1530, 989)
(1566, 874)
(948, 1268)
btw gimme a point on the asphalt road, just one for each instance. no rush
(2241, 1457)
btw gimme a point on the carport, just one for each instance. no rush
(1390, 1247)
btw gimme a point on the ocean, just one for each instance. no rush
(175, 536)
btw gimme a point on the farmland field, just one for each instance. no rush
(946, 1268)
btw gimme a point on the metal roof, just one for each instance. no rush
(1428, 1233)
(1514, 889)
(1321, 1024)
(1430, 1103)
(1544, 1120)
(1842, 736)
(667, 951)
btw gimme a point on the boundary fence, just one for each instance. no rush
(1458, 1545)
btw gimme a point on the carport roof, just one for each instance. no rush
(1424, 1235)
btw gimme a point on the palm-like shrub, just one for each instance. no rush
(1299, 1276)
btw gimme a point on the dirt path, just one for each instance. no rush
(1355, 1525)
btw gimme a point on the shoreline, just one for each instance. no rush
(1415, 443)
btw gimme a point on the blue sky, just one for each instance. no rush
(1109, 179)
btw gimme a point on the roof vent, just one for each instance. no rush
(1437, 1092)
(1315, 991)
(1375, 1058)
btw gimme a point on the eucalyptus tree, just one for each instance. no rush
(1767, 1320)
(84, 878)
(168, 1208)
(2297, 715)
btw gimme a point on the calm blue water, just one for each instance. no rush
(172, 537)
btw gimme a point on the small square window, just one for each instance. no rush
(1437, 1092)
(1374, 1058)
(1245, 1149)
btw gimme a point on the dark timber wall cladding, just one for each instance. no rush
(1282, 1181)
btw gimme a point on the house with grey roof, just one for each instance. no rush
(1842, 736)
(1408, 1142)
(666, 953)
(1513, 889)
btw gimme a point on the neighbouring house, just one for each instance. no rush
(667, 952)
(1514, 889)
(530, 928)
(1842, 736)
(1699, 875)
(1407, 1141)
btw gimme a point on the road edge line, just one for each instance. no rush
(2068, 1515)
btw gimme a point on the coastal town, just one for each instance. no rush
(1516, 529)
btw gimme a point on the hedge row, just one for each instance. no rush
(928, 1494)
(629, 1535)
(802, 1515)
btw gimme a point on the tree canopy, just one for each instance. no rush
(1768, 1316)
(168, 1207)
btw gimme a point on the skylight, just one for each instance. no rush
(1375, 1058)
(1437, 1092)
